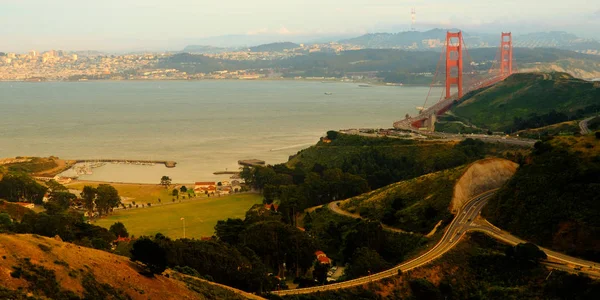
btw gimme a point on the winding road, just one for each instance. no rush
(467, 219)
(583, 125)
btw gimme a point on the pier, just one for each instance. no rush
(167, 163)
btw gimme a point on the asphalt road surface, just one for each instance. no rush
(466, 220)
(583, 125)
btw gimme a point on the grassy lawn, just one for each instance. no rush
(140, 193)
(200, 215)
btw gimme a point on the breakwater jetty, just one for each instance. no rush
(167, 163)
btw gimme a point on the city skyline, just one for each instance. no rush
(154, 25)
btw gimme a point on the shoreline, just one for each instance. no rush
(325, 81)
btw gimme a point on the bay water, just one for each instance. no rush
(205, 126)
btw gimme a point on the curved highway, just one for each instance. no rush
(450, 239)
(467, 219)
(583, 125)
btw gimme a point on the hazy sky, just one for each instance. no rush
(170, 24)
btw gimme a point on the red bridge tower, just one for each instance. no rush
(454, 63)
(506, 55)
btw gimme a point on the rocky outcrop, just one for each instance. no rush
(482, 175)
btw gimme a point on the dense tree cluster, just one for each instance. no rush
(101, 199)
(17, 187)
(553, 199)
(356, 242)
(373, 165)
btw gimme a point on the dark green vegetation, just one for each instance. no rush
(529, 100)
(35, 165)
(553, 199)
(364, 245)
(242, 254)
(351, 165)
(563, 129)
(388, 64)
(19, 186)
(415, 205)
(594, 124)
(477, 268)
(58, 219)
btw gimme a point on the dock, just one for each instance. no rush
(167, 163)
(226, 173)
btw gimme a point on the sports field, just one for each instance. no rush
(200, 215)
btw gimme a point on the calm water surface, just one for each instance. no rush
(205, 126)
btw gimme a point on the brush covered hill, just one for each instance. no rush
(383, 161)
(529, 100)
(40, 267)
(554, 198)
(418, 204)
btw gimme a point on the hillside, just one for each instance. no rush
(529, 100)
(42, 266)
(390, 65)
(418, 204)
(15, 211)
(274, 47)
(477, 268)
(553, 199)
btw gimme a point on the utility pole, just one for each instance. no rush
(183, 219)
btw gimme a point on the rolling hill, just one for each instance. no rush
(47, 268)
(528, 100)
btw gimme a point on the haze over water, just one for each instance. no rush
(205, 126)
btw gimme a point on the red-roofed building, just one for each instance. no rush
(204, 184)
(273, 206)
(322, 258)
(122, 239)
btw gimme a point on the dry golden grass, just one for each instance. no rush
(117, 271)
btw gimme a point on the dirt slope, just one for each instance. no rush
(71, 264)
(482, 175)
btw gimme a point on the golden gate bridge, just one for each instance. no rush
(460, 79)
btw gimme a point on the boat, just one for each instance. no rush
(364, 85)
(328, 93)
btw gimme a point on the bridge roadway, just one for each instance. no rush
(464, 221)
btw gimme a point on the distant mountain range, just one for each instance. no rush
(435, 38)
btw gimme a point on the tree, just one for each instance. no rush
(229, 231)
(119, 230)
(183, 189)
(526, 252)
(55, 186)
(165, 181)
(365, 261)
(149, 253)
(332, 135)
(5, 221)
(175, 193)
(59, 201)
(88, 194)
(107, 198)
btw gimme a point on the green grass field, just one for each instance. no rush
(200, 215)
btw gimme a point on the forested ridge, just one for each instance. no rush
(554, 198)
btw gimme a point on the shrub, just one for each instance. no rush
(45, 248)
